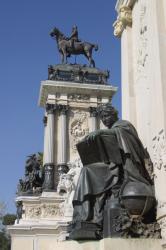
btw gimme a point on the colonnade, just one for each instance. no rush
(52, 168)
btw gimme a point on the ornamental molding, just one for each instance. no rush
(42, 211)
(53, 87)
(78, 97)
(124, 19)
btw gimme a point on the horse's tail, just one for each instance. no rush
(95, 46)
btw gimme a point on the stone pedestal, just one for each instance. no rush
(70, 98)
(141, 26)
(48, 241)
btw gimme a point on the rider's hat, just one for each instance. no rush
(74, 26)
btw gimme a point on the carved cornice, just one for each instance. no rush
(124, 19)
(52, 87)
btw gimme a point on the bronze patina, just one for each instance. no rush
(68, 46)
(114, 196)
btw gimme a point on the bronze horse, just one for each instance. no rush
(66, 49)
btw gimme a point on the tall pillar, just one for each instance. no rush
(45, 150)
(93, 119)
(123, 29)
(62, 165)
(141, 25)
(48, 184)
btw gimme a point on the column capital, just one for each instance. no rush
(63, 109)
(124, 18)
(120, 3)
(93, 111)
(51, 108)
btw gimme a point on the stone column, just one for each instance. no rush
(143, 84)
(93, 118)
(48, 184)
(45, 153)
(123, 29)
(62, 166)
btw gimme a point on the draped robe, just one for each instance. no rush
(114, 156)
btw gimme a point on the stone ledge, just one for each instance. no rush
(32, 228)
(53, 87)
(43, 242)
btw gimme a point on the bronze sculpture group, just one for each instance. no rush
(114, 195)
(33, 179)
(68, 46)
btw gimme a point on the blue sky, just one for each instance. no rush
(26, 50)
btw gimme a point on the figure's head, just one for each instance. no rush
(108, 114)
(54, 32)
(74, 27)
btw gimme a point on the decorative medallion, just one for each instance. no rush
(78, 128)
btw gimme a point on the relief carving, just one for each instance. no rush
(43, 211)
(78, 97)
(142, 51)
(67, 185)
(162, 223)
(125, 15)
(124, 19)
(51, 210)
(161, 204)
(118, 28)
(32, 212)
(159, 151)
(78, 128)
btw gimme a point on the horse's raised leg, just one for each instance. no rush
(88, 55)
(64, 55)
(62, 58)
(65, 58)
(92, 62)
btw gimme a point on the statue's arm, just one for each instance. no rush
(91, 136)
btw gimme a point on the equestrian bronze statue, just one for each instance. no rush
(73, 46)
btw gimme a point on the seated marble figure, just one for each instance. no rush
(114, 187)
